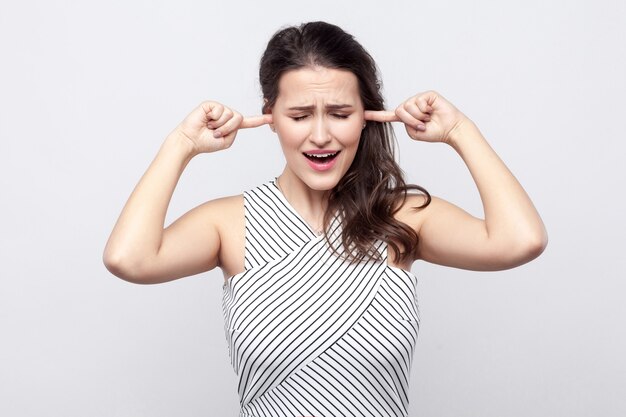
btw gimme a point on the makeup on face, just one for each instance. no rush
(320, 159)
(318, 117)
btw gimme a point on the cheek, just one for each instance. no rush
(291, 134)
(348, 133)
(287, 138)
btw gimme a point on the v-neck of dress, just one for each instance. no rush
(279, 194)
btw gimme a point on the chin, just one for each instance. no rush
(321, 182)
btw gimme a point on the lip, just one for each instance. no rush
(321, 166)
(320, 151)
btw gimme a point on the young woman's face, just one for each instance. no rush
(318, 116)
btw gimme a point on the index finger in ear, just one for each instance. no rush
(256, 121)
(380, 116)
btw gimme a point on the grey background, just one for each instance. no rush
(89, 90)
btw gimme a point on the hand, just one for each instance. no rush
(427, 116)
(212, 126)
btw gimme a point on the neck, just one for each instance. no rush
(309, 203)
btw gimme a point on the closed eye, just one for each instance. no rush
(338, 116)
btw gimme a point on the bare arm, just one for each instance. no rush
(139, 249)
(512, 232)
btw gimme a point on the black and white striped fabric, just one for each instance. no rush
(309, 333)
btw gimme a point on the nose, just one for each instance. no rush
(320, 132)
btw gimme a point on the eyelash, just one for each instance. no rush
(338, 116)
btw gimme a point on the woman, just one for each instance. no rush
(320, 310)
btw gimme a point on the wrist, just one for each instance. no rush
(464, 131)
(179, 144)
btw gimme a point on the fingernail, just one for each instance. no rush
(217, 134)
(421, 127)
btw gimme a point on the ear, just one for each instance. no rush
(268, 111)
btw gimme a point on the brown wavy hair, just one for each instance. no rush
(373, 189)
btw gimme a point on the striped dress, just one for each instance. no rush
(310, 334)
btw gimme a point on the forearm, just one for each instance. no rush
(137, 235)
(510, 216)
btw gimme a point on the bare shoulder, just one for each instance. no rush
(414, 211)
(216, 211)
(210, 217)
(225, 215)
(223, 205)
(218, 215)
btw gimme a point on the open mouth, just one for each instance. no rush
(321, 158)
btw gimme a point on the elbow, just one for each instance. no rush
(529, 248)
(123, 268)
(513, 252)
(536, 246)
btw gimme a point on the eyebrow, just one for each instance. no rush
(329, 106)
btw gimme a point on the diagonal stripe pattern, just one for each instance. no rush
(309, 333)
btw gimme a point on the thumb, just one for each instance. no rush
(256, 121)
(380, 116)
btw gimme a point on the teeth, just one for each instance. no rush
(320, 155)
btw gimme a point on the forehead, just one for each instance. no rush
(310, 85)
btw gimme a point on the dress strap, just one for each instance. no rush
(273, 228)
